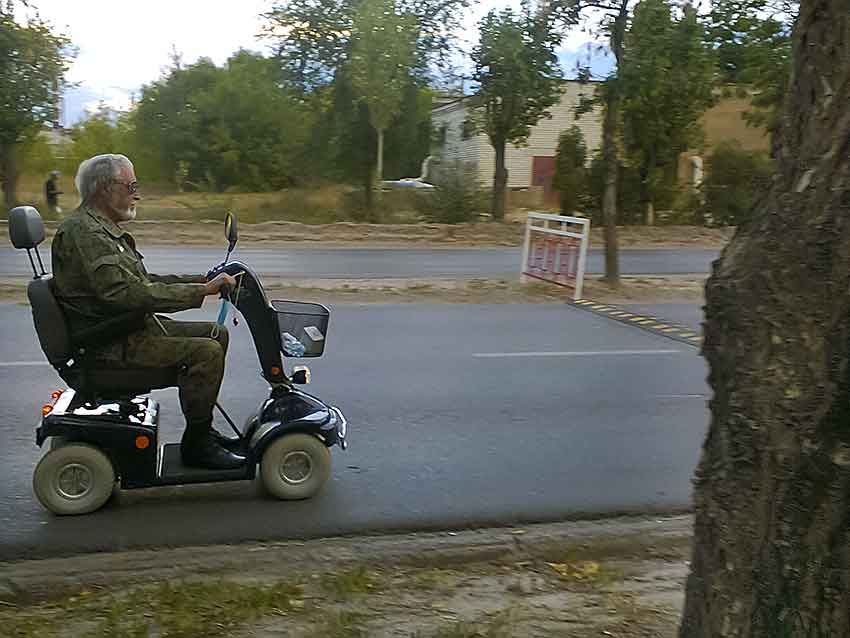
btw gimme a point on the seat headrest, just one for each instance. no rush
(26, 230)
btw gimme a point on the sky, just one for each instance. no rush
(122, 46)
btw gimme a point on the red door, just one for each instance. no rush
(542, 172)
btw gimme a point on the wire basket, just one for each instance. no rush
(303, 328)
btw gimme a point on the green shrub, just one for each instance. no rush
(734, 182)
(457, 198)
(570, 177)
(630, 209)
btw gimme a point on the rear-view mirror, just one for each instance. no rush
(231, 231)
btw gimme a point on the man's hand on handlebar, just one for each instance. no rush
(215, 285)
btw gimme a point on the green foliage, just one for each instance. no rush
(317, 50)
(33, 61)
(313, 38)
(735, 181)
(629, 205)
(37, 158)
(381, 57)
(382, 51)
(666, 82)
(105, 131)
(221, 128)
(570, 170)
(519, 80)
(458, 197)
(518, 74)
(408, 139)
(752, 39)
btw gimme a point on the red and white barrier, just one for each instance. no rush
(555, 250)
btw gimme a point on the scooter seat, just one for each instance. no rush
(94, 381)
(80, 372)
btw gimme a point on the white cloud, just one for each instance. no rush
(126, 45)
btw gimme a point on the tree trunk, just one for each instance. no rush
(380, 164)
(771, 551)
(646, 196)
(609, 152)
(9, 171)
(500, 182)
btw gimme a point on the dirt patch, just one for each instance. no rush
(648, 289)
(510, 233)
(639, 289)
(622, 577)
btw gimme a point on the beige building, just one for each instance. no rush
(531, 165)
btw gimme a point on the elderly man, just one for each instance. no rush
(98, 274)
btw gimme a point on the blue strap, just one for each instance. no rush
(222, 313)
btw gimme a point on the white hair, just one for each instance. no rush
(97, 172)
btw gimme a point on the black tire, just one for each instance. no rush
(295, 467)
(73, 479)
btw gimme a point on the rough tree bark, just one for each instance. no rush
(500, 181)
(772, 539)
(610, 126)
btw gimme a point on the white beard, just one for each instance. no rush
(127, 215)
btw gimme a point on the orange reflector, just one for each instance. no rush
(46, 409)
(275, 371)
(55, 394)
(142, 442)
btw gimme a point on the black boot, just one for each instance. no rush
(204, 451)
(232, 444)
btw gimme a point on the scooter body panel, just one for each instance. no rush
(291, 411)
(127, 432)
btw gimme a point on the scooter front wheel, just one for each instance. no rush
(73, 479)
(295, 467)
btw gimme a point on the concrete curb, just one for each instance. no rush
(660, 327)
(53, 576)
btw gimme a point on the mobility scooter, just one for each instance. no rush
(103, 433)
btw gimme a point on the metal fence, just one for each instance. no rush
(555, 250)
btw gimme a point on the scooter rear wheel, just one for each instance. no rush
(73, 479)
(295, 467)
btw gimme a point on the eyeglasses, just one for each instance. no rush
(132, 187)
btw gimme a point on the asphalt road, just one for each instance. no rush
(460, 415)
(386, 262)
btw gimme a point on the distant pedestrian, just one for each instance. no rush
(52, 192)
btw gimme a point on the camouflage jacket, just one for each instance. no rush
(98, 273)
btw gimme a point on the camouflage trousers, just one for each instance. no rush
(196, 349)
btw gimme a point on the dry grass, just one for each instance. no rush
(320, 204)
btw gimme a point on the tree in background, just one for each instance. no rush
(570, 177)
(382, 55)
(752, 40)
(614, 22)
(104, 131)
(771, 551)
(519, 80)
(218, 128)
(314, 46)
(313, 38)
(33, 61)
(666, 79)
